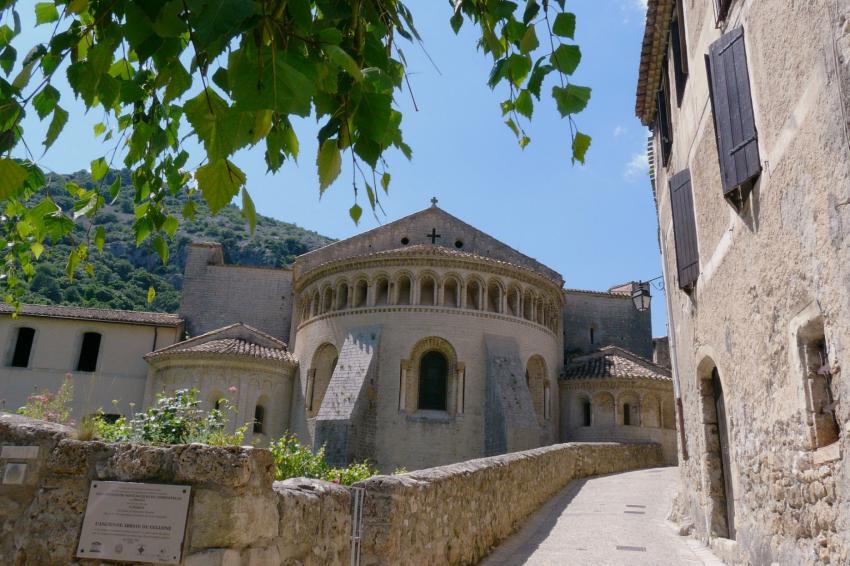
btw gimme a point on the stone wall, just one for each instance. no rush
(612, 316)
(783, 253)
(455, 514)
(215, 294)
(239, 516)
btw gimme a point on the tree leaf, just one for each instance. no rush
(45, 101)
(249, 212)
(100, 238)
(581, 143)
(151, 294)
(161, 248)
(571, 99)
(219, 181)
(12, 177)
(99, 169)
(385, 182)
(341, 58)
(37, 249)
(214, 21)
(529, 41)
(512, 125)
(355, 212)
(7, 59)
(524, 105)
(57, 124)
(170, 225)
(45, 12)
(564, 25)
(329, 162)
(566, 58)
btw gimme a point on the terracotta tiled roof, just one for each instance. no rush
(101, 315)
(652, 52)
(236, 347)
(236, 340)
(612, 362)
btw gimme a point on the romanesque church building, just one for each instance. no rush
(419, 343)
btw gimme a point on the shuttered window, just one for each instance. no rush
(684, 229)
(664, 126)
(734, 120)
(679, 48)
(721, 8)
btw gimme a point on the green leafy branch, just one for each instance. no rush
(234, 74)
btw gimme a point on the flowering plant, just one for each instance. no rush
(48, 406)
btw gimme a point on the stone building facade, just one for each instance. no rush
(748, 106)
(613, 395)
(101, 351)
(420, 343)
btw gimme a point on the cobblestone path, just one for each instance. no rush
(613, 520)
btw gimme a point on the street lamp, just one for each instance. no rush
(641, 296)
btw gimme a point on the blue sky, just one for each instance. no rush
(595, 224)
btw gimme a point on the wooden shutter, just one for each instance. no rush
(665, 129)
(732, 105)
(684, 229)
(721, 8)
(680, 51)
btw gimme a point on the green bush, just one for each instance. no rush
(172, 420)
(294, 460)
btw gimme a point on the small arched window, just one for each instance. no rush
(89, 351)
(586, 412)
(259, 419)
(382, 291)
(404, 290)
(360, 291)
(433, 381)
(627, 414)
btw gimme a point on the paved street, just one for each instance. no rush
(612, 520)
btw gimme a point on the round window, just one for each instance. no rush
(458, 244)
(405, 241)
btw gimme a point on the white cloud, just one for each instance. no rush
(637, 167)
(619, 131)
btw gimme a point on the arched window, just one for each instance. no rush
(514, 302)
(23, 347)
(473, 295)
(328, 301)
(494, 297)
(528, 306)
(427, 291)
(382, 291)
(450, 293)
(360, 291)
(259, 419)
(89, 351)
(319, 377)
(535, 378)
(586, 412)
(342, 296)
(433, 381)
(315, 304)
(627, 414)
(404, 289)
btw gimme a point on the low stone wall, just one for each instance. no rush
(239, 516)
(455, 514)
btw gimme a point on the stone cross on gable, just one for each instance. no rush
(433, 201)
(433, 235)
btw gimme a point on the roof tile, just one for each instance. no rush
(101, 315)
(613, 362)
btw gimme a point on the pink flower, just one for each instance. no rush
(232, 389)
(69, 375)
(335, 480)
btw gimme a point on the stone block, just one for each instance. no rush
(231, 466)
(214, 557)
(219, 520)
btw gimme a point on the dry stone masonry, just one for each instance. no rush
(239, 516)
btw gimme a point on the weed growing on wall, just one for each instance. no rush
(294, 460)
